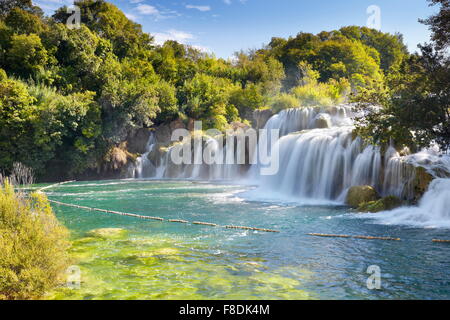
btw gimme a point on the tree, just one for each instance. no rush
(24, 22)
(108, 21)
(390, 47)
(7, 5)
(27, 55)
(206, 98)
(16, 114)
(246, 100)
(440, 24)
(416, 104)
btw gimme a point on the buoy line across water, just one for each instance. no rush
(216, 225)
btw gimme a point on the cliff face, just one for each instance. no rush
(260, 118)
(421, 182)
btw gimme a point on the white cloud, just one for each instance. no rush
(229, 1)
(177, 35)
(202, 49)
(136, 1)
(147, 9)
(51, 5)
(200, 8)
(158, 14)
(131, 16)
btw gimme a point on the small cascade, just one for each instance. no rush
(298, 119)
(143, 167)
(433, 209)
(398, 175)
(214, 169)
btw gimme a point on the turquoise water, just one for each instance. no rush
(160, 260)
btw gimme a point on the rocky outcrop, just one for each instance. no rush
(322, 121)
(358, 195)
(421, 182)
(239, 125)
(137, 140)
(164, 132)
(260, 118)
(117, 160)
(384, 204)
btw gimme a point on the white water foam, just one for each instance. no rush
(433, 210)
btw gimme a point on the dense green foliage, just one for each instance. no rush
(33, 245)
(416, 98)
(70, 96)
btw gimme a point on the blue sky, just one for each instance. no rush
(226, 26)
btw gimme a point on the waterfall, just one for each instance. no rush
(298, 119)
(319, 158)
(200, 170)
(323, 164)
(398, 175)
(143, 168)
(433, 209)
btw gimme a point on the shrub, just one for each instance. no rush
(322, 94)
(284, 101)
(33, 245)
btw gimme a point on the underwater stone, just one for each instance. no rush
(106, 233)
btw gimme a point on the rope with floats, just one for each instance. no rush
(200, 223)
(159, 218)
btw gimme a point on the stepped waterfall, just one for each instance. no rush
(319, 158)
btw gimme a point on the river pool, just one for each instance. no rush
(162, 260)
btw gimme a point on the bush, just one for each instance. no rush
(284, 101)
(33, 245)
(314, 93)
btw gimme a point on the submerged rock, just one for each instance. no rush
(384, 204)
(360, 194)
(105, 233)
(166, 252)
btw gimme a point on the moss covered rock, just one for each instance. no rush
(422, 180)
(106, 233)
(322, 121)
(360, 194)
(384, 204)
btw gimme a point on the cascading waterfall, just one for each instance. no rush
(298, 119)
(319, 159)
(323, 164)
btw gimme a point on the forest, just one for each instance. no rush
(69, 96)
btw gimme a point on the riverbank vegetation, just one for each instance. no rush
(415, 99)
(69, 96)
(33, 245)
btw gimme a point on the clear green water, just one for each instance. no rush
(160, 260)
